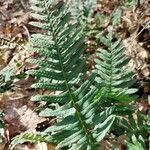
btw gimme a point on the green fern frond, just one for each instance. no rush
(6, 77)
(4, 85)
(7, 44)
(139, 127)
(116, 17)
(81, 10)
(112, 71)
(136, 143)
(30, 137)
(2, 127)
(62, 66)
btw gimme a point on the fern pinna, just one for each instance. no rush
(112, 73)
(81, 124)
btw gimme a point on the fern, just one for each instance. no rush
(137, 143)
(130, 3)
(6, 76)
(116, 17)
(29, 137)
(81, 122)
(139, 127)
(81, 10)
(2, 127)
(4, 85)
(111, 71)
(7, 44)
(136, 128)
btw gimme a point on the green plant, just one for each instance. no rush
(137, 131)
(81, 10)
(116, 80)
(136, 127)
(81, 122)
(7, 75)
(84, 105)
(116, 17)
(112, 73)
(2, 126)
(5, 79)
(136, 143)
(7, 44)
(130, 3)
(29, 137)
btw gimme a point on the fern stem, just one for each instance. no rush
(110, 81)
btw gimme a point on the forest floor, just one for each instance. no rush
(19, 114)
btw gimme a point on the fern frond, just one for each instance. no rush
(29, 137)
(7, 44)
(112, 72)
(136, 143)
(62, 66)
(6, 77)
(81, 10)
(139, 127)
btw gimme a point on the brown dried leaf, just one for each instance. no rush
(20, 118)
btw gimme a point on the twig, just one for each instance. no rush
(142, 30)
(27, 31)
(138, 34)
